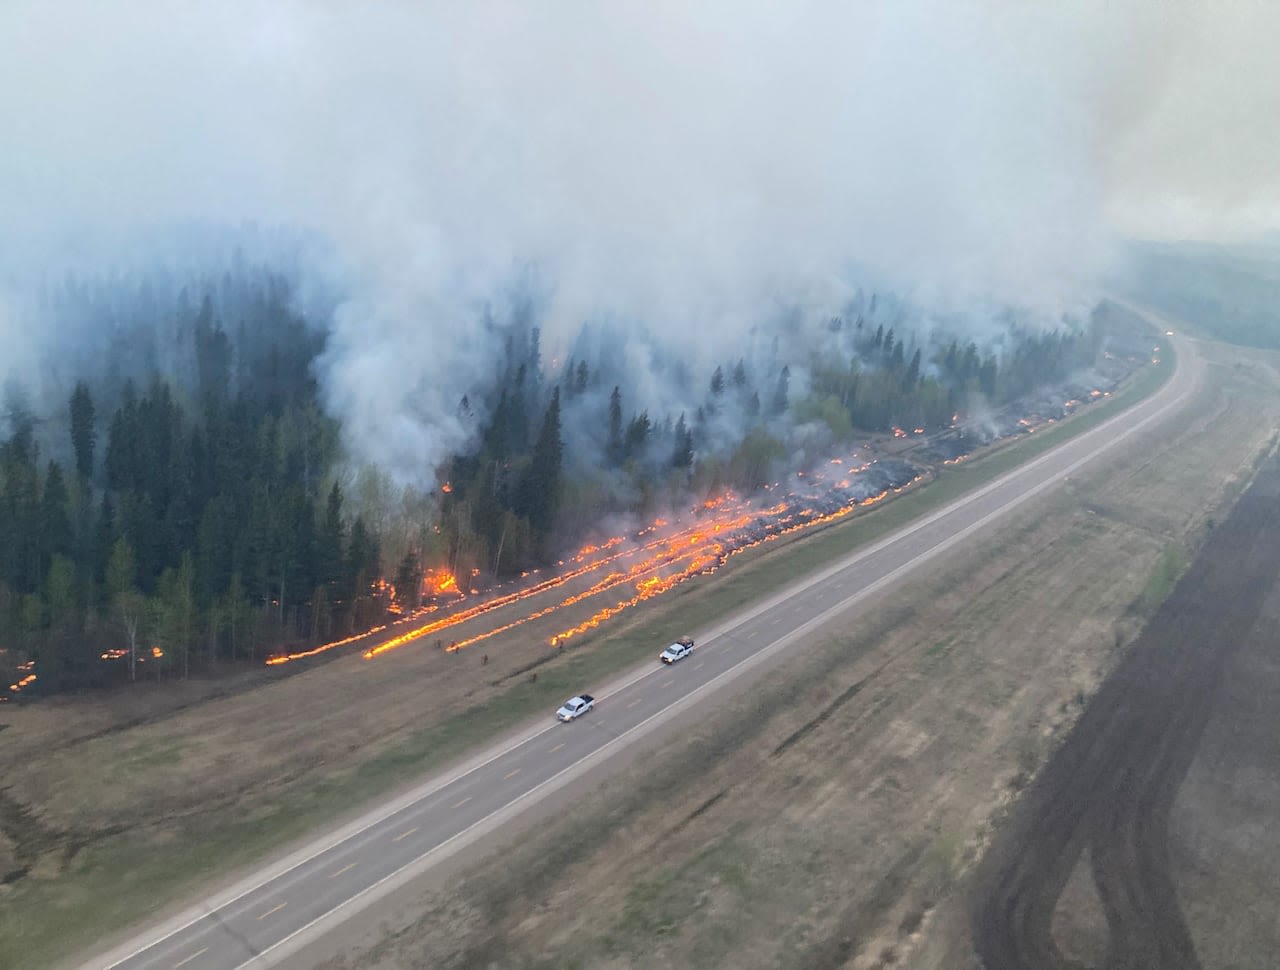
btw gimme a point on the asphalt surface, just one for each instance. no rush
(273, 913)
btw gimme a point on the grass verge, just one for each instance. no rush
(115, 884)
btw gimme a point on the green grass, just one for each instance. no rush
(1168, 571)
(657, 907)
(127, 879)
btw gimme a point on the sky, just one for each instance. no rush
(682, 164)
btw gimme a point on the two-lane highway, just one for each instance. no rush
(266, 916)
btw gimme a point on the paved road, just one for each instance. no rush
(271, 914)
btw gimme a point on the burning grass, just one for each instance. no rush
(316, 746)
(733, 845)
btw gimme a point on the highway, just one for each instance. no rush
(271, 914)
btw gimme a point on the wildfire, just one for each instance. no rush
(284, 658)
(437, 583)
(648, 562)
(26, 681)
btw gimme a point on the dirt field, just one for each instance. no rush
(1110, 788)
(833, 816)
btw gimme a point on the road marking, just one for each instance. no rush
(347, 868)
(557, 747)
(204, 949)
(634, 703)
(463, 802)
(273, 909)
(511, 774)
(1161, 408)
(405, 834)
(795, 636)
(698, 665)
(668, 683)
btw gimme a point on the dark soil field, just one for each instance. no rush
(1149, 838)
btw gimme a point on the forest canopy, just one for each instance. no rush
(189, 499)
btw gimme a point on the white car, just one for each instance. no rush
(575, 707)
(677, 651)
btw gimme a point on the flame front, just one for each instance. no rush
(652, 561)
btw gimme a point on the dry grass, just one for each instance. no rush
(117, 805)
(828, 817)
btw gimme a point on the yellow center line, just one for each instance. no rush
(273, 909)
(405, 834)
(203, 949)
(347, 868)
(557, 747)
(511, 774)
(463, 802)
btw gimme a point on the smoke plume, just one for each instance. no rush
(692, 178)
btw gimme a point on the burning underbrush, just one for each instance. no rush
(611, 575)
(614, 574)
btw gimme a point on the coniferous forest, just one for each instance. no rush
(187, 502)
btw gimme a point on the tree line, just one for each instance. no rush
(200, 518)
(208, 528)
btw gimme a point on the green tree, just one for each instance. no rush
(124, 598)
(717, 382)
(615, 426)
(55, 525)
(408, 582)
(781, 392)
(682, 456)
(84, 433)
(538, 495)
(176, 612)
(637, 437)
(330, 539)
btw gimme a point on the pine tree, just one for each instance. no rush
(638, 429)
(717, 382)
(329, 541)
(538, 495)
(912, 377)
(615, 426)
(682, 456)
(55, 526)
(781, 392)
(83, 432)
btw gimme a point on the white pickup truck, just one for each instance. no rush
(677, 651)
(575, 707)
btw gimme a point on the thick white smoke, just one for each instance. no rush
(692, 169)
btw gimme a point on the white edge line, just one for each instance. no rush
(309, 852)
(368, 895)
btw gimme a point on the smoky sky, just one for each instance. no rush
(685, 167)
